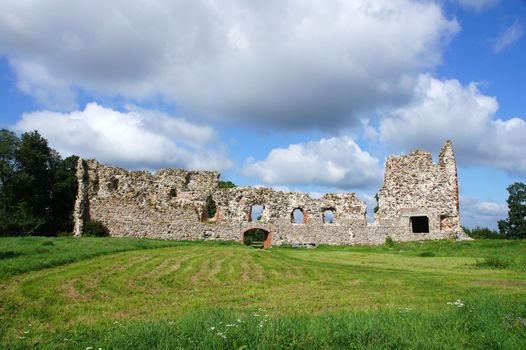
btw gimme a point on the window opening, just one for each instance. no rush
(211, 209)
(298, 216)
(328, 216)
(420, 224)
(256, 212)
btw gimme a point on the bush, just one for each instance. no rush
(427, 254)
(493, 263)
(483, 233)
(226, 184)
(389, 242)
(94, 228)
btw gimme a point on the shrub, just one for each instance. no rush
(94, 228)
(483, 233)
(493, 262)
(427, 254)
(389, 242)
(225, 184)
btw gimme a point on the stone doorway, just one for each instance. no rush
(257, 238)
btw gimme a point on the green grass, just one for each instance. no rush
(24, 254)
(398, 296)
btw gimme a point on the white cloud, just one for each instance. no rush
(335, 162)
(35, 80)
(296, 63)
(478, 5)
(510, 36)
(443, 110)
(137, 138)
(474, 212)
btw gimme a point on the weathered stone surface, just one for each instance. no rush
(415, 186)
(172, 204)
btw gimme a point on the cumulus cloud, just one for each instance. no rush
(481, 213)
(136, 138)
(36, 81)
(335, 162)
(292, 64)
(445, 109)
(509, 37)
(478, 5)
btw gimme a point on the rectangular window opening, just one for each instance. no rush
(420, 224)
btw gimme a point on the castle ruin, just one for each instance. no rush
(418, 201)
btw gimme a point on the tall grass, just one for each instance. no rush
(489, 323)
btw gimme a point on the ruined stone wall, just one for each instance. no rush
(172, 204)
(414, 186)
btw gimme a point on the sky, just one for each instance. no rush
(308, 95)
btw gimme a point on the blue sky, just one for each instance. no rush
(298, 95)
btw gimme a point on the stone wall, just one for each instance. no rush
(414, 186)
(172, 204)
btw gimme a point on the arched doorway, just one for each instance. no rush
(257, 238)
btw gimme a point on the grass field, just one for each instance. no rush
(65, 293)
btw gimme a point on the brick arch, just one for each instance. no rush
(268, 240)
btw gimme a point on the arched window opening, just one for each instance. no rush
(328, 216)
(256, 212)
(210, 210)
(298, 216)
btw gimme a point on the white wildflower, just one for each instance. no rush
(458, 303)
(222, 335)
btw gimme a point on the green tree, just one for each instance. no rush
(514, 227)
(63, 193)
(8, 146)
(225, 184)
(37, 187)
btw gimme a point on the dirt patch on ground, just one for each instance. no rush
(245, 275)
(516, 284)
(70, 290)
(204, 270)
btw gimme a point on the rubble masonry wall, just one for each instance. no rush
(172, 204)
